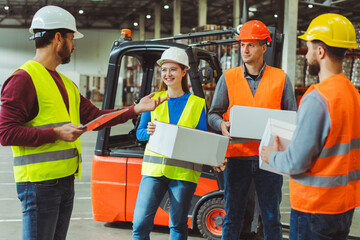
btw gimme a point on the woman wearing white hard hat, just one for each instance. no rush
(160, 174)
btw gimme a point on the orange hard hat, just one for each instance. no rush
(254, 30)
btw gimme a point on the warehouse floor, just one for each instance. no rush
(82, 226)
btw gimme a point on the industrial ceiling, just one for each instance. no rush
(118, 14)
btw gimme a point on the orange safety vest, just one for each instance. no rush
(332, 184)
(268, 95)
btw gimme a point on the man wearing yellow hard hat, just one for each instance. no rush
(323, 159)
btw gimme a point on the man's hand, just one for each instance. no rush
(267, 150)
(225, 128)
(68, 132)
(151, 128)
(147, 104)
(220, 167)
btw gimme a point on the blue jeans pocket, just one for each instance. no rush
(27, 196)
(331, 226)
(48, 183)
(322, 226)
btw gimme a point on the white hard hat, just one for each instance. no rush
(176, 55)
(53, 17)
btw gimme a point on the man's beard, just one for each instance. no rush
(64, 54)
(65, 60)
(314, 68)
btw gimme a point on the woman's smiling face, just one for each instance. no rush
(172, 74)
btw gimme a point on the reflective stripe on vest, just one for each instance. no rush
(340, 149)
(52, 125)
(172, 162)
(332, 184)
(45, 157)
(322, 181)
(157, 165)
(268, 95)
(52, 160)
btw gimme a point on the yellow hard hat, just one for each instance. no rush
(333, 29)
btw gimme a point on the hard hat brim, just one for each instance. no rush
(268, 39)
(161, 61)
(330, 43)
(78, 35)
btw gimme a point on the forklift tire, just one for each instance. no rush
(210, 218)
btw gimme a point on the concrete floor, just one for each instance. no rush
(82, 226)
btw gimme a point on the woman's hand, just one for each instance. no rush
(151, 128)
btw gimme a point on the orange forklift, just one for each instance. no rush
(132, 74)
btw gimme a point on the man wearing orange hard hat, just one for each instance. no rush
(254, 84)
(323, 159)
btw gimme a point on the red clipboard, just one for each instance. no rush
(97, 122)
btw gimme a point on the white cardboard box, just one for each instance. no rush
(188, 144)
(250, 122)
(284, 131)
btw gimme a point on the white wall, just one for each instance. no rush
(90, 57)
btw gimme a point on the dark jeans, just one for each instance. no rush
(237, 179)
(46, 208)
(305, 226)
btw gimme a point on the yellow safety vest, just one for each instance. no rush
(52, 160)
(157, 165)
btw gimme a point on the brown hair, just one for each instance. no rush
(335, 53)
(184, 82)
(262, 41)
(49, 35)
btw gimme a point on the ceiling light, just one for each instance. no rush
(252, 9)
(166, 6)
(81, 11)
(7, 8)
(136, 24)
(310, 6)
(148, 16)
(275, 15)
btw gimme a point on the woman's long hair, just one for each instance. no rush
(184, 82)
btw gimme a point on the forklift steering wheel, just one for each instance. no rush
(206, 75)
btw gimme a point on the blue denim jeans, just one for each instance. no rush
(237, 179)
(304, 226)
(46, 208)
(151, 192)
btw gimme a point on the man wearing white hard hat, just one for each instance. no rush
(41, 116)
